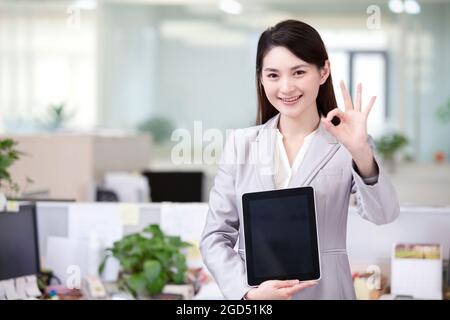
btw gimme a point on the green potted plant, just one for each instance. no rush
(388, 146)
(159, 127)
(149, 260)
(57, 116)
(8, 155)
(443, 112)
(443, 116)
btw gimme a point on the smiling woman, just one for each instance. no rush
(302, 139)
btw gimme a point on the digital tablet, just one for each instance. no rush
(281, 238)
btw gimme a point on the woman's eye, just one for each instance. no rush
(299, 72)
(272, 75)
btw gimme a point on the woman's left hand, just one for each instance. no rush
(352, 131)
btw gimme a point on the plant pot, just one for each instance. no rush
(186, 290)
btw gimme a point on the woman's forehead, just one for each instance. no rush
(281, 58)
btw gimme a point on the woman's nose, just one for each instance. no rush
(286, 85)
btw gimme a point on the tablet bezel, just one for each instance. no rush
(314, 238)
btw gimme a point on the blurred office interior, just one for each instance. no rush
(92, 91)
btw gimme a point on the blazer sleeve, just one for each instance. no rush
(221, 230)
(376, 198)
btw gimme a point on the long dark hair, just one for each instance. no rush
(304, 42)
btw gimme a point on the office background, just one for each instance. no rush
(123, 68)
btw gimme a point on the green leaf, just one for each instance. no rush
(7, 144)
(164, 257)
(155, 230)
(101, 268)
(175, 241)
(8, 155)
(152, 270)
(6, 161)
(157, 285)
(179, 276)
(130, 263)
(136, 283)
(136, 250)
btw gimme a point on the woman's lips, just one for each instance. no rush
(290, 101)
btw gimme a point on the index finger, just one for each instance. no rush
(347, 99)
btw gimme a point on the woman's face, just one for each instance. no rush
(291, 84)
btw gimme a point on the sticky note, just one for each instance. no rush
(12, 206)
(129, 214)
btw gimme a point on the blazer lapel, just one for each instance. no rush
(263, 153)
(322, 148)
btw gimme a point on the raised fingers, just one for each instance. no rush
(369, 106)
(358, 97)
(347, 99)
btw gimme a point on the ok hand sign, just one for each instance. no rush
(352, 131)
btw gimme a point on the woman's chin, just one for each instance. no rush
(291, 111)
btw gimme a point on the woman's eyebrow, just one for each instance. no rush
(293, 68)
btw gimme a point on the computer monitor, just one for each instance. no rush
(19, 253)
(175, 186)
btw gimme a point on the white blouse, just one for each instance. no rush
(283, 171)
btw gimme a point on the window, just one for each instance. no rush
(42, 61)
(370, 68)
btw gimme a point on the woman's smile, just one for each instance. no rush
(291, 100)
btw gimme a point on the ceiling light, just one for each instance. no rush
(230, 6)
(412, 7)
(396, 6)
(86, 4)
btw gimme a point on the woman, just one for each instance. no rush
(302, 139)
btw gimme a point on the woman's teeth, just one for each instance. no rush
(290, 99)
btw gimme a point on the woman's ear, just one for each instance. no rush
(325, 72)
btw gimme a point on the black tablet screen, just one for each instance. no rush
(277, 220)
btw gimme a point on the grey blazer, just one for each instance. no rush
(246, 165)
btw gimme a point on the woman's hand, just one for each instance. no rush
(352, 131)
(278, 290)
